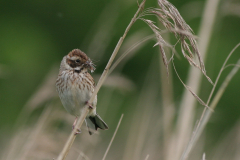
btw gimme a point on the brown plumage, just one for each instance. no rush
(75, 87)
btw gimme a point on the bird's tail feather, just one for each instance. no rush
(95, 122)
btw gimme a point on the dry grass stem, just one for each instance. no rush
(35, 132)
(171, 19)
(160, 41)
(168, 105)
(120, 82)
(154, 124)
(144, 108)
(224, 85)
(82, 156)
(128, 51)
(206, 114)
(220, 72)
(137, 44)
(45, 92)
(204, 156)
(190, 90)
(147, 157)
(230, 65)
(187, 106)
(85, 110)
(119, 122)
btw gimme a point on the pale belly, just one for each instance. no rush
(74, 98)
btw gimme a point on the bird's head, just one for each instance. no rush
(77, 61)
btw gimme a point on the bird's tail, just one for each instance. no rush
(95, 122)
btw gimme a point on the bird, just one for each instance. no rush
(75, 86)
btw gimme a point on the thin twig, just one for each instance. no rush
(82, 156)
(85, 110)
(206, 114)
(44, 93)
(135, 45)
(119, 122)
(26, 148)
(187, 106)
(190, 90)
(223, 67)
(136, 139)
(204, 156)
(168, 106)
(128, 51)
(147, 157)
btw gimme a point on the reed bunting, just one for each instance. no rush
(75, 87)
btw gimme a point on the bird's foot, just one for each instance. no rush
(73, 127)
(78, 132)
(74, 123)
(90, 106)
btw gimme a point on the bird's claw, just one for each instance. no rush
(89, 106)
(74, 123)
(78, 132)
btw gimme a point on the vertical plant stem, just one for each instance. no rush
(85, 110)
(138, 133)
(43, 94)
(207, 113)
(224, 64)
(167, 104)
(35, 132)
(147, 157)
(187, 109)
(120, 120)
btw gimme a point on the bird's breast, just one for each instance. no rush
(74, 91)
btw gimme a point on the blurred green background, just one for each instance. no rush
(35, 35)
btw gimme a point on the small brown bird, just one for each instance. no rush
(75, 87)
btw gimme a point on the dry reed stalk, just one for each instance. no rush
(116, 63)
(206, 113)
(140, 42)
(126, 84)
(145, 119)
(99, 38)
(29, 142)
(147, 157)
(85, 110)
(191, 91)
(177, 25)
(120, 82)
(131, 49)
(45, 92)
(187, 106)
(204, 156)
(171, 19)
(119, 122)
(145, 105)
(167, 105)
(82, 156)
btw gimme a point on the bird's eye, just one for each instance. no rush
(77, 61)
